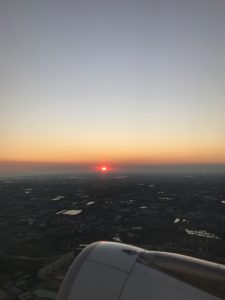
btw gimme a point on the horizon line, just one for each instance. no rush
(125, 163)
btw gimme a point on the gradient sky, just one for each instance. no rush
(117, 81)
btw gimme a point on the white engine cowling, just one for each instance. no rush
(114, 271)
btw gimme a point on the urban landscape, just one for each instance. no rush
(45, 221)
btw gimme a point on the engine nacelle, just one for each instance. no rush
(114, 271)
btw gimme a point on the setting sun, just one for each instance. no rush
(103, 168)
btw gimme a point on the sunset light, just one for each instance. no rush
(103, 168)
(116, 93)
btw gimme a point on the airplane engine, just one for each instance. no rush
(115, 271)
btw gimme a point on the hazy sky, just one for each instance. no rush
(113, 81)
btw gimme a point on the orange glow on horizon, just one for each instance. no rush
(94, 153)
(103, 168)
(124, 157)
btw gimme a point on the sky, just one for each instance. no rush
(117, 82)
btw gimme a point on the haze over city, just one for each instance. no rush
(123, 83)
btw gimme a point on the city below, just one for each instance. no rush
(45, 222)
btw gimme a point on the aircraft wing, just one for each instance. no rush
(115, 271)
